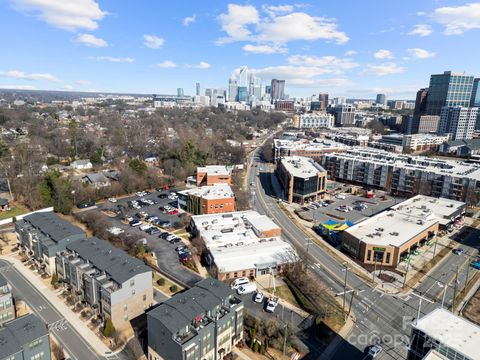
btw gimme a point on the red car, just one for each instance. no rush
(173, 212)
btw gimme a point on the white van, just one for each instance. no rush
(247, 288)
(239, 282)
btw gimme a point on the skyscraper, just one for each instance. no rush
(448, 89)
(255, 86)
(323, 100)
(242, 93)
(475, 100)
(381, 99)
(421, 102)
(232, 89)
(344, 115)
(277, 90)
(197, 89)
(458, 121)
(180, 92)
(243, 77)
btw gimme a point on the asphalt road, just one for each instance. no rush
(63, 331)
(379, 317)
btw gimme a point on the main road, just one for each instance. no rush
(72, 342)
(379, 317)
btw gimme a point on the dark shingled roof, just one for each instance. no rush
(19, 332)
(53, 225)
(115, 262)
(3, 201)
(180, 310)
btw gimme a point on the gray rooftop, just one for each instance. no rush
(20, 332)
(180, 310)
(3, 281)
(97, 177)
(53, 225)
(3, 201)
(115, 262)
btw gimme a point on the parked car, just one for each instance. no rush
(247, 288)
(475, 264)
(162, 196)
(239, 282)
(259, 297)
(112, 200)
(180, 248)
(173, 212)
(164, 235)
(135, 223)
(145, 227)
(174, 240)
(458, 251)
(271, 304)
(85, 204)
(152, 231)
(341, 197)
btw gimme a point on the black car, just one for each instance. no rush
(86, 204)
(163, 235)
(152, 231)
(162, 196)
(175, 240)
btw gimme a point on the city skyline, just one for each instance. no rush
(104, 47)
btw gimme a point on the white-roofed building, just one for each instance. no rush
(213, 199)
(445, 335)
(242, 243)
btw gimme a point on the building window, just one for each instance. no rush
(235, 274)
(244, 273)
(388, 258)
(227, 275)
(369, 255)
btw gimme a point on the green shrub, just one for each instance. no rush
(161, 282)
(174, 288)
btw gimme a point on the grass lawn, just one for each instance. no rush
(165, 288)
(284, 293)
(14, 211)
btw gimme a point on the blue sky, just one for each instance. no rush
(347, 48)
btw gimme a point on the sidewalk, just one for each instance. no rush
(63, 309)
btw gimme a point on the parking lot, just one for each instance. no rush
(167, 256)
(346, 207)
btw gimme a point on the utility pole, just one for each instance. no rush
(455, 290)
(445, 286)
(351, 301)
(345, 286)
(420, 304)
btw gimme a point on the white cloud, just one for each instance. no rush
(329, 64)
(167, 64)
(458, 19)
(350, 53)
(264, 49)
(243, 23)
(91, 40)
(153, 41)
(189, 20)
(69, 15)
(201, 65)
(112, 59)
(82, 82)
(18, 87)
(421, 30)
(420, 53)
(388, 68)
(300, 26)
(17, 74)
(383, 54)
(235, 22)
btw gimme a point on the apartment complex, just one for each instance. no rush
(413, 142)
(302, 179)
(313, 121)
(442, 335)
(108, 279)
(424, 124)
(204, 322)
(242, 243)
(388, 237)
(344, 115)
(7, 307)
(25, 338)
(302, 147)
(44, 234)
(214, 174)
(213, 199)
(459, 122)
(405, 174)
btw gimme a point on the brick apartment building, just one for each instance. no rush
(213, 199)
(214, 174)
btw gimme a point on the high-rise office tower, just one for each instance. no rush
(448, 89)
(277, 89)
(421, 102)
(242, 93)
(475, 100)
(180, 92)
(458, 121)
(323, 100)
(381, 99)
(243, 77)
(232, 89)
(255, 86)
(344, 115)
(197, 89)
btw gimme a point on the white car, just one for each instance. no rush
(145, 227)
(239, 282)
(112, 200)
(140, 193)
(271, 304)
(259, 297)
(115, 231)
(374, 351)
(341, 197)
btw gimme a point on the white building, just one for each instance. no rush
(314, 120)
(81, 164)
(458, 121)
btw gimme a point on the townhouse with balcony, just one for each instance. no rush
(204, 322)
(113, 283)
(25, 338)
(7, 307)
(44, 234)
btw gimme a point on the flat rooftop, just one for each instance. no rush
(212, 192)
(215, 170)
(451, 330)
(301, 167)
(309, 145)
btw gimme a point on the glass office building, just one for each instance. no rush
(449, 89)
